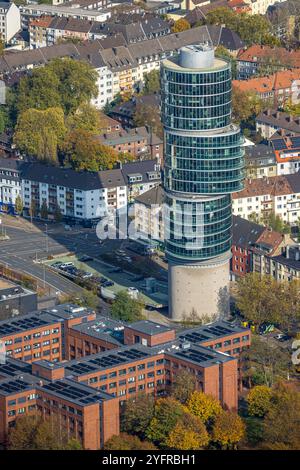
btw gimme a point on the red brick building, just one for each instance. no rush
(110, 362)
(249, 237)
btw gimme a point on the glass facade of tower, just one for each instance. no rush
(204, 160)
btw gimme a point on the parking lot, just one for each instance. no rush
(110, 279)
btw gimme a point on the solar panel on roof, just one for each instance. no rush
(279, 144)
(295, 141)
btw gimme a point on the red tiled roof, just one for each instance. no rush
(281, 55)
(278, 81)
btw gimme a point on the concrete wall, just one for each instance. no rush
(199, 290)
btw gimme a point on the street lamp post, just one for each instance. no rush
(47, 241)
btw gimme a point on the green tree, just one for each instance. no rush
(39, 133)
(259, 400)
(126, 442)
(44, 210)
(19, 205)
(245, 105)
(38, 90)
(262, 299)
(86, 299)
(282, 422)
(33, 210)
(152, 82)
(86, 118)
(188, 434)
(184, 384)
(276, 223)
(58, 216)
(204, 406)
(167, 413)
(224, 53)
(264, 363)
(137, 415)
(148, 115)
(126, 308)
(77, 82)
(180, 25)
(253, 29)
(228, 430)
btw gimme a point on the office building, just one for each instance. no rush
(203, 166)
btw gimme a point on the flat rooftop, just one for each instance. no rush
(68, 311)
(103, 328)
(108, 359)
(211, 331)
(199, 355)
(79, 394)
(148, 327)
(25, 322)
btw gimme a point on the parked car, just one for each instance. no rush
(86, 258)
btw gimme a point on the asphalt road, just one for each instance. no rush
(24, 248)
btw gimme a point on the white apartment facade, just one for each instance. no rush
(259, 7)
(279, 195)
(10, 21)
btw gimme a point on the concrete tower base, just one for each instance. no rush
(199, 291)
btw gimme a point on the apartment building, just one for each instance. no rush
(10, 21)
(271, 120)
(271, 59)
(140, 177)
(279, 88)
(140, 142)
(80, 195)
(287, 154)
(148, 215)
(260, 161)
(283, 267)
(249, 238)
(10, 184)
(259, 7)
(279, 195)
(31, 11)
(120, 67)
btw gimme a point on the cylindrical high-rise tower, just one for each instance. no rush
(204, 164)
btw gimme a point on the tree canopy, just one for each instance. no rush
(253, 29)
(180, 25)
(39, 133)
(184, 384)
(126, 308)
(263, 299)
(228, 429)
(204, 406)
(152, 82)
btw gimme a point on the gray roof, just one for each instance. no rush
(143, 168)
(104, 52)
(211, 331)
(149, 327)
(244, 232)
(103, 328)
(154, 196)
(260, 152)
(279, 119)
(83, 180)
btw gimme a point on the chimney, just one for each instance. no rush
(287, 253)
(277, 114)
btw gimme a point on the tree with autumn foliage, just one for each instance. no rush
(39, 133)
(282, 422)
(127, 442)
(228, 430)
(259, 400)
(180, 25)
(206, 407)
(31, 432)
(84, 151)
(188, 434)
